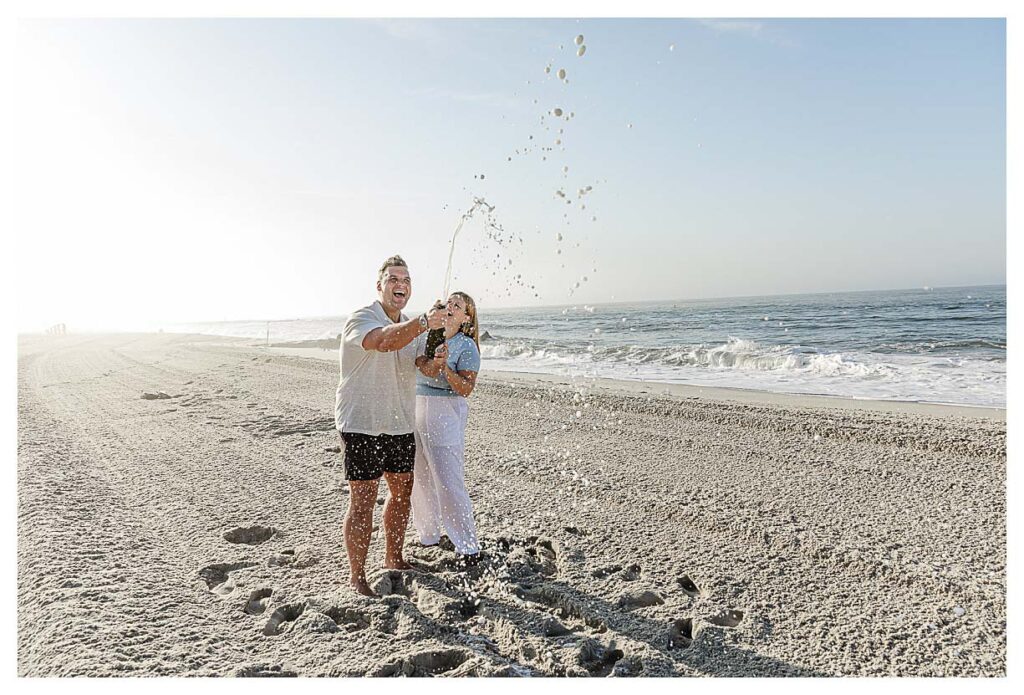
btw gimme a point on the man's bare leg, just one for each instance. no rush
(358, 531)
(396, 519)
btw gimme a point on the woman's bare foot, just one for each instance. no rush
(362, 587)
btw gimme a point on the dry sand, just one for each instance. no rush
(654, 534)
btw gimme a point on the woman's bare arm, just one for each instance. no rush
(462, 383)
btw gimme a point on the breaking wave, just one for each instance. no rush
(743, 363)
(736, 353)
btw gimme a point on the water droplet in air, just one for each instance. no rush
(580, 51)
(671, 47)
(557, 111)
(579, 40)
(561, 76)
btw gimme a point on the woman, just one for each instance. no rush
(440, 503)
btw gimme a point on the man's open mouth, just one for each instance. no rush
(400, 293)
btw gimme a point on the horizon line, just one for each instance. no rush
(595, 304)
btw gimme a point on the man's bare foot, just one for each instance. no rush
(362, 587)
(399, 564)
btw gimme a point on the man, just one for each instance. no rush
(375, 415)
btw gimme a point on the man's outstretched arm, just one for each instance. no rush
(397, 336)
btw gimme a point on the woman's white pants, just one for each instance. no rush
(440, 503)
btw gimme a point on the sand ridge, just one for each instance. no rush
(624, 534)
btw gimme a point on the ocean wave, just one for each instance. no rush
(735, 354)
(740, 363)
(924, 346)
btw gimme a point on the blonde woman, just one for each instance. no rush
(440, 503)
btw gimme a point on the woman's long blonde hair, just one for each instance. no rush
(472, 326)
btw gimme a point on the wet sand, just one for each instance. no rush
(180, 500)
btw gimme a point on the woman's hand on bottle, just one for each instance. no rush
(440, 356)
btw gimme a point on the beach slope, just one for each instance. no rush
(180, 502)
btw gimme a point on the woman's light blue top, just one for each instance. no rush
(463, 355)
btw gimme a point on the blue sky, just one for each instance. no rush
(229, 169)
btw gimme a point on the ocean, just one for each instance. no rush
(943, 345)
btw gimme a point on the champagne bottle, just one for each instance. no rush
(435, 336)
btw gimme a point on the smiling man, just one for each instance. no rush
(375, 415)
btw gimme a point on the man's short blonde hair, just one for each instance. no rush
(393, 261)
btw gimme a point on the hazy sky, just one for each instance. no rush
(175, 170)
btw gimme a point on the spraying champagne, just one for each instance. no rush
(436, 336)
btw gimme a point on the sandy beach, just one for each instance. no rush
(180, 502)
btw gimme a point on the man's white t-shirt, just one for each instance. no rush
(377, 391)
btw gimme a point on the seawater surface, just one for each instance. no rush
(945, 345)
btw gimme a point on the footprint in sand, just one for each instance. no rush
(597, 658)
(727, 618)
(538, 555)
(300, 557)
(631, 573)
(258, 601)
(282, 619)
(446, 608)
(250, 535)
(158, 396)
(688, 585)
(680, 633)
(604, 572)
(395, 582)
(428, 663)
(640, 599)
(551, 627)
(348, 619)
(217, 576)
(561, 604)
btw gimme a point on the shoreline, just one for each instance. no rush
(714, 393)
(679, 391)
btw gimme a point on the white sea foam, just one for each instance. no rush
(788, 369)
